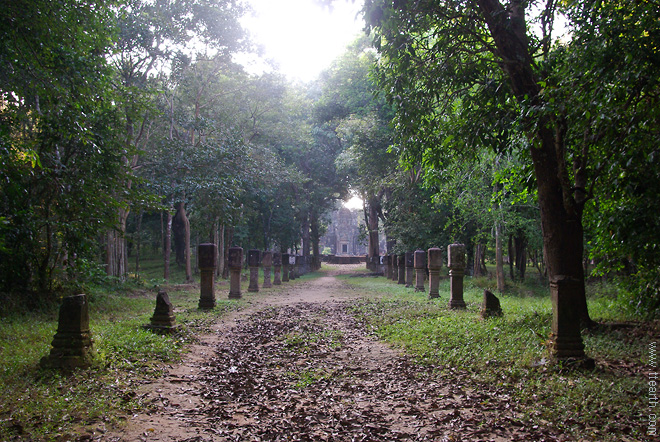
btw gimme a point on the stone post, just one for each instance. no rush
(410, 268)
(253, 258)
(434, 265)
(277, 268)
(300, 266)
(207, 260)
(266, 264)
(163, 321)
(387, 272)
(565, 338)
(420, 270)
(395, 267)
(292, 267)
(401, 260)
(72, 344)
(285, 267)
(456, 264)
(235, 264)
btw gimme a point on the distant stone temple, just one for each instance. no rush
(343, 232)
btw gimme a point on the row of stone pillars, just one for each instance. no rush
(403, 267)
(72, 346)
(283, 267)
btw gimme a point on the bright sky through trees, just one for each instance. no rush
(302, 36)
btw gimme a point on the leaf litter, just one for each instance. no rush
(309, 371)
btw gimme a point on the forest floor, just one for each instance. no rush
(296, 365)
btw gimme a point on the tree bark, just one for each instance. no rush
(520, 244)
(499, 260)
(371, 219)
(167, 245)
(137, 244)
(116, 248)
(181, 230)
(220, 244)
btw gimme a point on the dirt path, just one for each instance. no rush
(296, 366)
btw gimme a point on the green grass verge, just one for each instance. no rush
(44, 404)
(607, 404)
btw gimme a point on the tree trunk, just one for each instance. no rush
(520, 244)
(181, 230)
(314, 232)
(561, 213)
(116, 248)
(512, 258)
(371, 220)
(167, 245)
(220, 244)
(499, 260)
(229, 239)
(137, 244)
(479, 265)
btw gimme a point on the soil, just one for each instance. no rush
(297, 366)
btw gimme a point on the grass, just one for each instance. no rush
(608, 404)
(510, 353)
(43, 404)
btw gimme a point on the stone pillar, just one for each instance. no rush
(434, 259)
(395, 267)
(253, 258)
(72, 344)
(277, 268)
(285, 267)
(300, 266)
(401, 261)
(266, 264)
(207, 260)
(420, 269)
(163, 321)
(565, 337)
(456, 264)
(292, 267)
(387, 272)
(410, 268)
(235, 264)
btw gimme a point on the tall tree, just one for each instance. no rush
(60, 158)
(459, 72)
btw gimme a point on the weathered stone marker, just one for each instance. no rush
(163, 321)
(456, 264)
(420, 270)
(490, 306)
(565, 335)
(235, 263)
(207, 258)
(266, 264)
(293, 274)
(72, 344)
(410, 268)
(434, 265)
(285, 267)
(395, 267)
(401, 261)
(253, 258)
(299, 266)
(387, 273)
(277, 268)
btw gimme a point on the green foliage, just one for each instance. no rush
(609, 78)
(57, 122)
